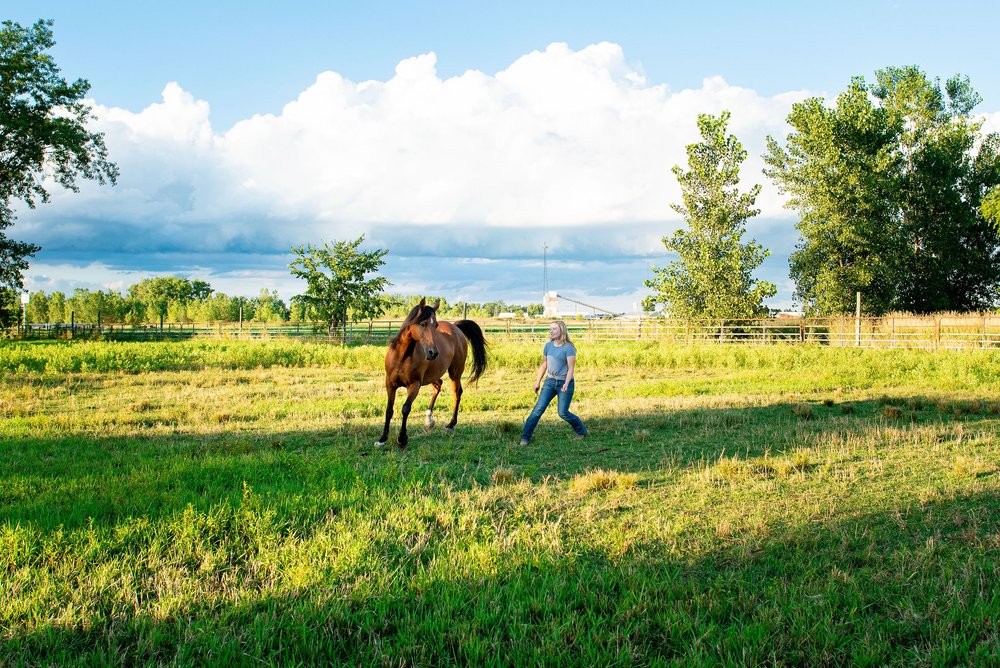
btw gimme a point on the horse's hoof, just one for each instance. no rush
(450, 430)
(379, 444)
(429, 424)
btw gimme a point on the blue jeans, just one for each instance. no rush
(553, 388)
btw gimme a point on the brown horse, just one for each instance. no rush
(421, 353)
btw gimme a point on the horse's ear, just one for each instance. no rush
(436, 304)
(423, 302)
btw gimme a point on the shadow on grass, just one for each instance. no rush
(78, 481)
(904, 586)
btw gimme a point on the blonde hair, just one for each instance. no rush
(563, 332)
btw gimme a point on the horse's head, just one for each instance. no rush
(422, 322)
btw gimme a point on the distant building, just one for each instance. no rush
(550, 304)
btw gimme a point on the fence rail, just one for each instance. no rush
(927, 332)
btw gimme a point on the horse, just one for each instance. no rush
(420, 354)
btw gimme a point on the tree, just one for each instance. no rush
(713, 277)
(43, 135)
(888, 185)
(38, 308)
(951, 257)
(57, 308)
(337, 287)
(268, 307)
(168, 297)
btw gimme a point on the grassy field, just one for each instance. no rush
(221, 503)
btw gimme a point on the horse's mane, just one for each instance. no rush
(417, 314)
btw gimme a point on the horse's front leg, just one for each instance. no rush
(390, 401)
(411, 394)
(456, 386)
(429, 419)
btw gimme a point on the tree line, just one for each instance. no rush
(175, 299)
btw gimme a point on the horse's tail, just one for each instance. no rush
(475, 336)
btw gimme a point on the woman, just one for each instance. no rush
(558, 367)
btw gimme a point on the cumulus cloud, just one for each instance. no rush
(560, 140)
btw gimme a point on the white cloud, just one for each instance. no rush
(559, 138)
(991, 122)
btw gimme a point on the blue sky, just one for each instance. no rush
(460, 136)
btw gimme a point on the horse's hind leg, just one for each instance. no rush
(390, 401)
(429, 420)
(456, 385)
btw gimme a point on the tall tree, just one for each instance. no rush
(888, 184)
(952, 256)
(43, 135)
(164, 294)
(338, 286)
(713, 277)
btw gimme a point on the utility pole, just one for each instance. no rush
(545, 269)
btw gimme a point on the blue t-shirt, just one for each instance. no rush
(556, 358)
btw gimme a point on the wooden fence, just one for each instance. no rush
(926, 332)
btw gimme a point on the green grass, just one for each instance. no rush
(221, 502)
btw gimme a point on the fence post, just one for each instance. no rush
(857, 322)
(984, 332)
(892, 332)
(937, 332)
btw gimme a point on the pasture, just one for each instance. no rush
(221, 503)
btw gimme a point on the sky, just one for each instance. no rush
(468, 139)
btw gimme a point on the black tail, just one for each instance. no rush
(478, 341)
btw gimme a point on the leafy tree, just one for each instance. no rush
(952, 253)
(268, 307)
(57, 308)
(200, 290)
(38, 307)
(43, 135)
(167, 297)
(713, 277)
(888, 185)
(337, 285)
(535, 309)
(91, 306)
(217, 308)
(10, 307)
(133, 311)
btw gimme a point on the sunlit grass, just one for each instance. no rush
(222, 503)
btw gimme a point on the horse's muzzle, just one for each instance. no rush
(432, 354)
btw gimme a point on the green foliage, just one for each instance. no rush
(43, 134)
(10, 307)
(888, 184)
(990, 208)
(337, 285)
(397, 306)
(268, 307)
(712, 278)
(168, 296)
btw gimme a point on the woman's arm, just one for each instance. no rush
(570, 368)
(541, 373)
